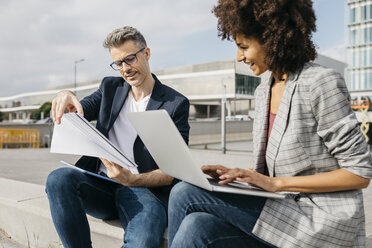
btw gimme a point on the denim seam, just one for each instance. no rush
(124, 212)
(126, 228)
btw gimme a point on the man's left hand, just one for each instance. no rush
(119, 174)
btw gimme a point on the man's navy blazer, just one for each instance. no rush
(104, 105)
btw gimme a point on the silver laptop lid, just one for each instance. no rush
(167, 146)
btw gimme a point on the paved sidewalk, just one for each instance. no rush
(33, 166)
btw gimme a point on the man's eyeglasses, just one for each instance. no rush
(129, 60)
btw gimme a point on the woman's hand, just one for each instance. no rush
(215, 171)
(337, 180)
(228, 175)
(250, 176)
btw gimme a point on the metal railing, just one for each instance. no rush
(19, 138)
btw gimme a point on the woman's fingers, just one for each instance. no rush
(214, 170)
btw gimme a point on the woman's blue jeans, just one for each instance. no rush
(199, 218)
(72, 194)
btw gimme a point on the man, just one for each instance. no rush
(141, 199)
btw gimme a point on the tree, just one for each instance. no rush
(45, 108)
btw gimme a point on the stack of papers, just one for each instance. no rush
(75, 135)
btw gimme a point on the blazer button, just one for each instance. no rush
(138, 163)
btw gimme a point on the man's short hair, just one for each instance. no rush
(119, 36)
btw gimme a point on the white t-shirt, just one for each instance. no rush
(122, 134)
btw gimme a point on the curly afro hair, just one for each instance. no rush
(283, 27)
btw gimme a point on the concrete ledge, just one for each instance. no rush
(25, 217)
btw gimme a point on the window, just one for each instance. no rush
(366, 80)
(355, 59)
(364, 13)
(363, 80)
(353, 15)
(369, 80)
(353, 37)
(354, 81)
(365, 36)
(352, 86)
(246, 84)
(363, 58)
(370, 11)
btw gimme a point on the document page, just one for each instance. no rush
(75, 135)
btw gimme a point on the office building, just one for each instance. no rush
(205, 85)
(359, 71)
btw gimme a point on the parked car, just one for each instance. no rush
(46, 120)
(238, 118)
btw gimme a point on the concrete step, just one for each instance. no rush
(25, 217)
(8, 242)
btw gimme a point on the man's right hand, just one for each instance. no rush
(65, 100)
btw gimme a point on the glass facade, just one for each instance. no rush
(213, 84)
(360, 45)
(364, 13)
(246, 85)
(353, 37)
(363, 58)
(352, 15)
(355, 59)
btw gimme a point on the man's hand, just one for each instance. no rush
(65, 100)
(119, 174)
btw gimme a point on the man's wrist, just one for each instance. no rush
(134, 180)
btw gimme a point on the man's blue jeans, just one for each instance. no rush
(199, 218)
(72, 194)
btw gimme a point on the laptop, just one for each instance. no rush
(170, 152)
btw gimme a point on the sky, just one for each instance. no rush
(40, 40)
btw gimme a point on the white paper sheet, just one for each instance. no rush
(75, 135)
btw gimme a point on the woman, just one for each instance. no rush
(314, 146)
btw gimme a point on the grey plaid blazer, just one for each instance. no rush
(315, 131)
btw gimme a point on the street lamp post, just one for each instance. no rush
(223, 120)
(76, 62)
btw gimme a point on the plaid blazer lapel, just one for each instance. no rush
(280, 124)
(261, 126)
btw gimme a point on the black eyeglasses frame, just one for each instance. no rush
(114, 65)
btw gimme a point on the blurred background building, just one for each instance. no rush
(204, 84)
(359, 71)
